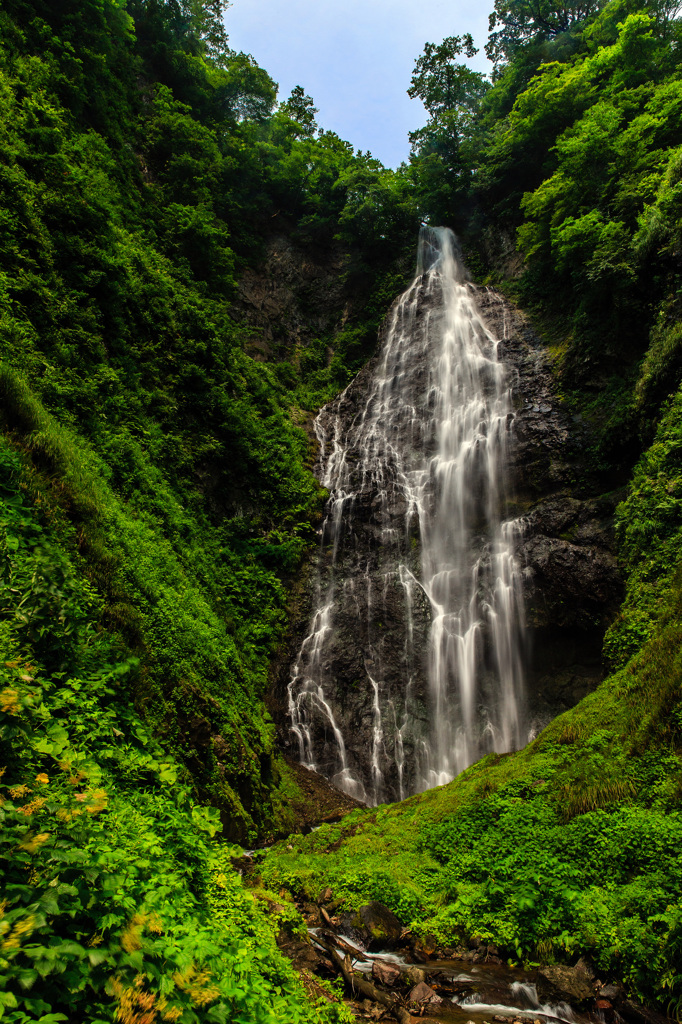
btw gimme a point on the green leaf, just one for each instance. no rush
(97, 956)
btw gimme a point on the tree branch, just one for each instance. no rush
(367, 989)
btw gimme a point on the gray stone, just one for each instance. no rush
(381, 925)
(423, 993)
(566, 984)
(385, 973)
(635, 1013)
(586, 967)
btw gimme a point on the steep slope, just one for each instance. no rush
(117, 903)
(157, 497)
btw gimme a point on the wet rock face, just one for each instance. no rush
(568, 984)
(295, 296)
(369, 634)
(571, 583)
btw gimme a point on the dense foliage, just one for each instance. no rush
(156, 494)
(116, 902)
(514, 24)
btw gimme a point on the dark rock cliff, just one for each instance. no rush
(295, 296)
(571, 583)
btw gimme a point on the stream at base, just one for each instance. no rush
(478, 993)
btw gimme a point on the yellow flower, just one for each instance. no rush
(33, 843)
(21, 929)
(32, 807)
(16, 792)
(9, 701)
(42, 779)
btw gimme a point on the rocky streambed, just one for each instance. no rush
(392, 974)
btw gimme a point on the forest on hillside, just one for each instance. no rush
(157, 499)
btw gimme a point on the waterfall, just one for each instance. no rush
(412, 667)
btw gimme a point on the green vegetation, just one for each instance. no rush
(116, 902)
(571, 846)
(156, 497)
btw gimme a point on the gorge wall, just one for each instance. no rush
(358, 694)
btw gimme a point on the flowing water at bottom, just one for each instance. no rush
(480, 993)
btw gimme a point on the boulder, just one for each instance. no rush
(385, 973)
(381, 927)
(415, 975)
(423, 993)
(586, 967)
(635, 1013)
(565, 984)
(425, 947)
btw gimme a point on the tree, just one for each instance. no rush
(442, 84)
(207, 21)
(513, 23)
(301, 108)
(451, 92)
(196, 26)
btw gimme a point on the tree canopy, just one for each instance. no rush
(301, 108)
(514, 23)
(451, 93)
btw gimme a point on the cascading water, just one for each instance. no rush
(412, 667)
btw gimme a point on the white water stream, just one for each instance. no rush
(430, 448)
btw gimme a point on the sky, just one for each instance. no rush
(355, 58)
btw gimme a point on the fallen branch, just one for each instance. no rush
(366, 988)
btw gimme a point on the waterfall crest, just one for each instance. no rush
(413, 663)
